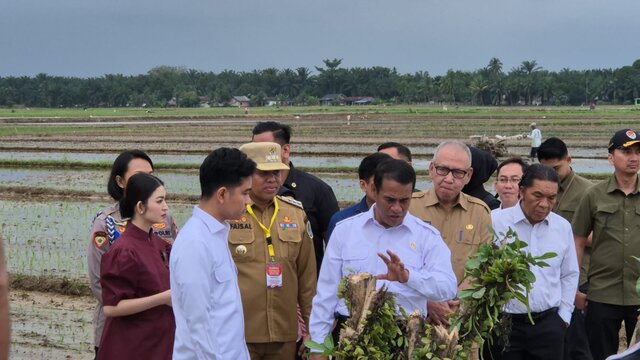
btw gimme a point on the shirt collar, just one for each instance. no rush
(292, 177)
(432, 199)
(210, 222)
(362, 205)
(370, 218)
(565, 183)
(519, 216)
(613, 184)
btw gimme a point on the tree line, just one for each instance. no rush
(526, 84)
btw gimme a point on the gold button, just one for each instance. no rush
(241, 250)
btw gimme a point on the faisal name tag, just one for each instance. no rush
(274, 275)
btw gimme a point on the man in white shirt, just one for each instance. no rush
(407, 254)
(204, 279)
(552, 295)
(536, 140)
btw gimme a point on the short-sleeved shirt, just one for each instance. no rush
(463, 228)
(136, 267)
(319, 204)
(570, 192)
(614, 219)
(270, 313)
(106, 229)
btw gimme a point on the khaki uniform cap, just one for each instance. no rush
(265, 154)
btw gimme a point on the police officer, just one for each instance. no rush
(463, 220)
(611, 209)
(109, 224)
(316, 196)
(272, 247)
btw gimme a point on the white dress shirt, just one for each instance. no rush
(353, 249)
(555, 285)
(204, 292)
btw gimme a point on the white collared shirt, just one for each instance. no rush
(353, 248)
(204, 292)
(555, 285)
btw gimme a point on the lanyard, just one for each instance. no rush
(266, 230)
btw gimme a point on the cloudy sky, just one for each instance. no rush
(96, 37)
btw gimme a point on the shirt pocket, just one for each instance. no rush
(468, 234)
(354, 261)
(222, 274)
(290, 241)
(605, 217)
(242, 244)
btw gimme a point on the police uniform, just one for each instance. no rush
(106, 228)
(319, 203)
(270, 313)
(463, 228)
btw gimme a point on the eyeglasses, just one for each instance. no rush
(506, 180)
(444, 171)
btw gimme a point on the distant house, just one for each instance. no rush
(332, 99)
(240, 101)
(358, 100)
(172, 103)
(204, 102)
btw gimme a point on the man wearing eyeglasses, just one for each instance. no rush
(463, 220)
(507, 184)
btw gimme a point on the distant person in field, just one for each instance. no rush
(366, 170)
(396, 151)
(508, 179)
(134, 275)
(109, 225)
(536, 140)
(484, 165)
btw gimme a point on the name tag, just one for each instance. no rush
(274, 275)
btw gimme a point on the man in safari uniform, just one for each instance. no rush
(272, 247)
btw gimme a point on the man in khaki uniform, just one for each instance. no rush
(463, 220)
(272, 247)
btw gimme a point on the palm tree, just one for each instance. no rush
(529, 68)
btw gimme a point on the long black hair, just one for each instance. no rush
(120, 167)
(140, 187)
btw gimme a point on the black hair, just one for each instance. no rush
(120, 167)
(368, 165)
(397, 170)
(538, 172)
(552, 149)
(140, 187)
(513, 160)
(224, 167)
(402, 150)
(281, 132)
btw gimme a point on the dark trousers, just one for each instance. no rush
(576, 345)
(542, 341)
(603, 323)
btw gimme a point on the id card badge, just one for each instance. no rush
(274, 275)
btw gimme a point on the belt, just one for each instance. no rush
(534, 315)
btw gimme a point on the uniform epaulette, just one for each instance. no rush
(290, 200)
(475, 200)
(417, 194)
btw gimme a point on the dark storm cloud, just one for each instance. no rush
(91, 38)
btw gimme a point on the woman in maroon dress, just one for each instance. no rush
(134, 275)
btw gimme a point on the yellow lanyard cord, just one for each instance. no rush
(267, 230)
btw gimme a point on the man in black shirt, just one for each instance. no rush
(317, 198)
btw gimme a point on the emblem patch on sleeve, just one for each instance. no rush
(309, 230)
(99, 239)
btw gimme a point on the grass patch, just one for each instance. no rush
(51, 284)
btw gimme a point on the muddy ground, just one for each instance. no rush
(50, 326)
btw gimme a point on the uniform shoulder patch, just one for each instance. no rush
(99, 239)
(417, 194)
(291, 201)
(474, 200)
